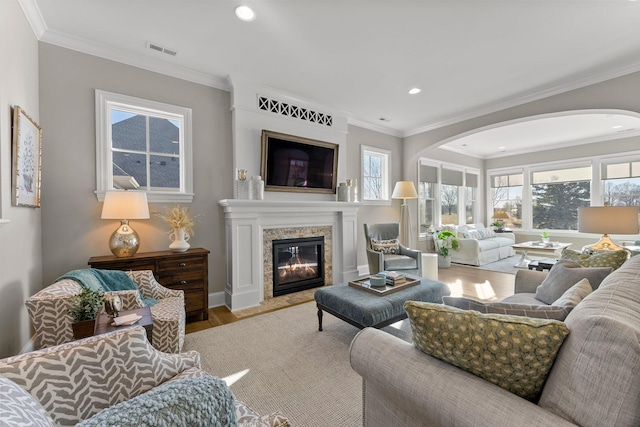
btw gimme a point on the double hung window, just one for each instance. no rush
(145, 145)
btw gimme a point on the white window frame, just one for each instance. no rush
(105, 102)
(386, 174)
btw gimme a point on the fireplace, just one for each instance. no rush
(298, 264)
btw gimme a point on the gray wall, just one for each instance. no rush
(371, 214)
(20, 251)
(73, 230)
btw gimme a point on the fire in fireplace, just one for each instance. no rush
(298, 264)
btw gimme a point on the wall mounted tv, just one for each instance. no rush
(293, 163)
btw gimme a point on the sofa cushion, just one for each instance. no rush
(595, 381)
(399, 262)
(613, 259)
(513, 352)
(390, 246)
(19, 408)
(204, 401)
(574, 294)
(539, 311)
(563, 275)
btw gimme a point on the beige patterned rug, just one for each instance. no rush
(283, 363)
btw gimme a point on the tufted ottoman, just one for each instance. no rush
(363, 309)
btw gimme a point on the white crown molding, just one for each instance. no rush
(530, 97)
(374, 127)
(33, 15)
(134, 59)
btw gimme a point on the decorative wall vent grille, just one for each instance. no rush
(289, 110)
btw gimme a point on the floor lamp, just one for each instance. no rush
(405, 190)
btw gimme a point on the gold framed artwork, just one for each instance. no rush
(27, 153)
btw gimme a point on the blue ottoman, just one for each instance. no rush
(364, 309)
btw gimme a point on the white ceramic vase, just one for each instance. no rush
(179, 240)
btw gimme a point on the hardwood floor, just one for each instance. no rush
(463, 281)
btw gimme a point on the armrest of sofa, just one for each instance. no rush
(74, 381)
(527, 281)
(404, 386)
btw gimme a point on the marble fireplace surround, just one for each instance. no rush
(250, 226)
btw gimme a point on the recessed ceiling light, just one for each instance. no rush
(245, 13)
(502, 149)
(413, 91)
(384, 119)
(616, 127)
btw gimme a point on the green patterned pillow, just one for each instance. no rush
(513, 352)
(613, 259)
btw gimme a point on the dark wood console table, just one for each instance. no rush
(187, 271)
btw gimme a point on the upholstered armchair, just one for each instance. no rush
(49, 311)
(384, 251)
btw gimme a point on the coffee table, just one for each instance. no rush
(525, 247)
(363, 309)
(103, 325)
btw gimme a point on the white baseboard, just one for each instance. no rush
(216, 299)
(363, 270)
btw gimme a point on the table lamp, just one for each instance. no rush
(607, 220)
(125, 205)
(500, 216)
(404, 190)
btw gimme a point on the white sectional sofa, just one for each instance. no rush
(478, 245)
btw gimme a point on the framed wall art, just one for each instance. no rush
(27, 150)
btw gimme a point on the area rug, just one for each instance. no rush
(506, 265)
(281, 362)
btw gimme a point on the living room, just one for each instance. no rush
(53, 79)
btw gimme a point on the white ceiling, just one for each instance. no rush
(362, 56)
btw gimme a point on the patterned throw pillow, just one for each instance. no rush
(538, 311)
(512, 352)
(613, 259)
(19, 408)
(387, 247)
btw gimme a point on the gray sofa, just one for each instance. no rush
(594, 382)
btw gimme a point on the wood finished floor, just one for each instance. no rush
(463, 281)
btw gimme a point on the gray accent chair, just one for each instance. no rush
(407, 261)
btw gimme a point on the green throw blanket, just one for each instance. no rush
(105, 281)
(189, 402)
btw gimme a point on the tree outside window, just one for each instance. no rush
(375, 174)
(507, 196)
(557, 195)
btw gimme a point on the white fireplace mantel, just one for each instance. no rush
(245, 221)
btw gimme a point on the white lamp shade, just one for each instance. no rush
(125, 205)
(608, 219)
(404, 190)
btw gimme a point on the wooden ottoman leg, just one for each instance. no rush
(319, 319)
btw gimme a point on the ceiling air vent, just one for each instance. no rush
(159, 48)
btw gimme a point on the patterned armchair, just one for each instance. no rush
(115, 379)
(48, 311)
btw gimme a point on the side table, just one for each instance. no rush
(103, 325)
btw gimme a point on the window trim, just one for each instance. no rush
(367, 149)
(104, 170)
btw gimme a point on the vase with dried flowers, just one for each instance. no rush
(181, 220)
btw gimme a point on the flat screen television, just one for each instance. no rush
(293, 163)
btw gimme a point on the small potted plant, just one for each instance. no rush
(444, 241)
(545, 237)
(498, 226)
(84, 310)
